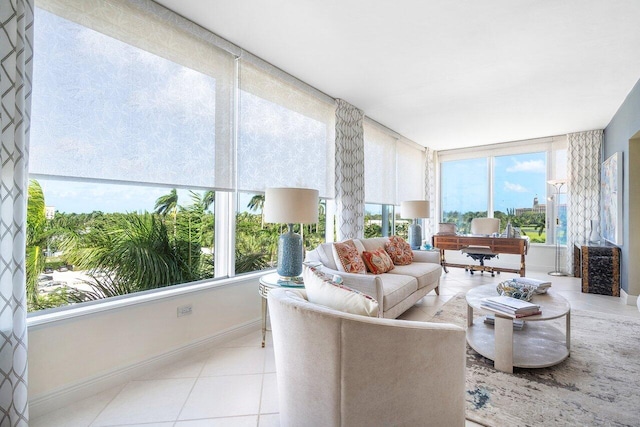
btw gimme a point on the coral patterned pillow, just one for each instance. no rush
(378, 261)
(347, 256)
(399, 251)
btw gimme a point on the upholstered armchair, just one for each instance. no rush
(339, 369)
(482, 227)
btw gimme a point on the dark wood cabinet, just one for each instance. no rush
(599, 267)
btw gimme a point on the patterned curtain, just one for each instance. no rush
(430, 187)
(349, 171)
(16, 65)
(583, 187)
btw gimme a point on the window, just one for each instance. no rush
(506, 181)
(118, 117)
(464, 192)
(378, 220)
(519, 193)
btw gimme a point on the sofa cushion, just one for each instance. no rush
(373, 243)
(324, 253)
(348, 258)
(425, 273)
(399, 250)
(323, 291)
(397, 288)
(377, 261)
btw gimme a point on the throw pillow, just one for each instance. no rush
(322, 290)
(378, 261)
(348, 258)
(399, 251)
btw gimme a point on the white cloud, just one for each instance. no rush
(516, 188)
(536, 166)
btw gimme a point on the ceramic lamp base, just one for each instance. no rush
(415, 235)
(290, 254)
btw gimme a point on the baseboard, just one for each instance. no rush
(628, 299)
(73, 392)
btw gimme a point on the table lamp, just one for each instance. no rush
(290, 206)
(415, 209)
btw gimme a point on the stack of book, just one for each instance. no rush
(490, 319)
(541, 286)
(511, 307)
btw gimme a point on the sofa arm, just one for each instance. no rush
(427, 256)
(366, 283)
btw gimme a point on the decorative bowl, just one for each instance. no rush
(516, 290)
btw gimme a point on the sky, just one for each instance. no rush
(517, 180)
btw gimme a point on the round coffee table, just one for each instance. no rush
(537, 345)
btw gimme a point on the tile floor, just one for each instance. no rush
(234, 385)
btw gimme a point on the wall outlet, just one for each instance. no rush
(185, 310)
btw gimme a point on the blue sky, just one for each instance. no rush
(517, 180)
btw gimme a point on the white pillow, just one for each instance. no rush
(323, 291)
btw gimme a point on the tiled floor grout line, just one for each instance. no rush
(121, 386)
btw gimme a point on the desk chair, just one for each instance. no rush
(482, 227)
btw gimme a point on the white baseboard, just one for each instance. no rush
(628, 299)
(73, 392)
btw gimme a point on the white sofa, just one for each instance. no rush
(397, 290)
(340, 369)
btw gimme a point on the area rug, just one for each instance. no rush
(598, 385)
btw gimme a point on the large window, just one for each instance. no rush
(509, 182)
(519, 193)
(465, 187)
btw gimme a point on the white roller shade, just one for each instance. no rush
(285, 135)
(138, 100)
(411, 169)
(379, 166)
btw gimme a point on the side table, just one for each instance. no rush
(271, 281)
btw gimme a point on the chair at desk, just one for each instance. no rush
(482, 227)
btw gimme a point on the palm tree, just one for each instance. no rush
(36, 240)
(168, 204)
(257, 203)
(134, 251)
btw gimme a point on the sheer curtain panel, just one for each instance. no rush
(583, 187)
(349, 171)
(16, 42)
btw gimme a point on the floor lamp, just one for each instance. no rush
(558, 183)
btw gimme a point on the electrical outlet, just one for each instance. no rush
(185, 310)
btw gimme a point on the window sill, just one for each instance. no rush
(37, 319)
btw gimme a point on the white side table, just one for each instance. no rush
(268, 282)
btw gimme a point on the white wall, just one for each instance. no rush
(72, 353)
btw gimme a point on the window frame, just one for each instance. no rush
(550, 145)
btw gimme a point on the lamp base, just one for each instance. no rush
(557, 273)
(289, 254)
(415, 235)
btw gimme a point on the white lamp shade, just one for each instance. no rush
(412, 209)
(291, 205)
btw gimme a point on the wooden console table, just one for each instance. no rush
(499, 245)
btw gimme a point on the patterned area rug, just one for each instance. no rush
(598, 385)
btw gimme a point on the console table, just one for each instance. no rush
(499, 245)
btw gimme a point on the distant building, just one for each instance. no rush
(49, 212)
(537, 208)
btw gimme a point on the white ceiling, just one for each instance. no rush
(447, 73)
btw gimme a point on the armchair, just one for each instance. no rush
(339, 369)
(482, 227)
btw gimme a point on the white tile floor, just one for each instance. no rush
(234, 385)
